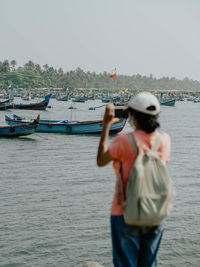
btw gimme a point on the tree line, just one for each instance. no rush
(32, 75)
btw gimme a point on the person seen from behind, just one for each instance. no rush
(132, 246)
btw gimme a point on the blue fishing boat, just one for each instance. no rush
(79, 100)
(170, 102)
(21, 129)
(68, 127)
(167, 101)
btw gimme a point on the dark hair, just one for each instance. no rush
(146, 122)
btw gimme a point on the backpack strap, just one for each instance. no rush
(156, 145)
(133, 143)
(119, 183)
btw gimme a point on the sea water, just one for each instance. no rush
(55, 202)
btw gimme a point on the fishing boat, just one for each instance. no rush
(5, 104)
(196, 100)
(79, 100)
(21, 129)
(34, 106)
(166, 100)
(26, 97)
(170, 102)
(68, 127)
(62, 98)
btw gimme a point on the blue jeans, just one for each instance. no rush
(134, 246)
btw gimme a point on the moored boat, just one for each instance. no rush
(21, 129)
(170, 102)
(68, 127)
(79, 100)
(62, 98)
(6, 104)
(34, 106)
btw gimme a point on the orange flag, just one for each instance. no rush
(114, 74)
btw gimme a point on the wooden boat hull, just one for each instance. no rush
(170, 103)
(84, 127)
(80, 100)
(63, 98)
(7, 104)
(34, 106)
(17, 130)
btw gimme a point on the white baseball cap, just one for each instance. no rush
(145, 102)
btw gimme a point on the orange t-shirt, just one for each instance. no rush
(121, 149)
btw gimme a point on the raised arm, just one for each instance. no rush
(103, 155)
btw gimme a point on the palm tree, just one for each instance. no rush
(6, 66)
(13, 64)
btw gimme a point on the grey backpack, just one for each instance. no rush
(150, 192)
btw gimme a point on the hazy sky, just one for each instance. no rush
(159, 37)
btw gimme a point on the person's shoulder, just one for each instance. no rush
(121, 137)
(165, 141)
(118, 146)
(165, 136)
